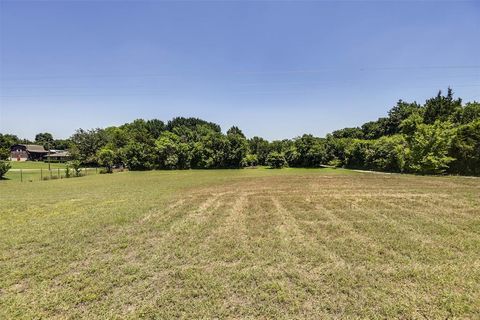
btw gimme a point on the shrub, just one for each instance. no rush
(276, 160)
(68, 171)
(4, 167)
(335, 163)
(250, 160)
(4, 154)
(77, 170)
(106, 158)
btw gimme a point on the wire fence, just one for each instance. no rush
(30, 175)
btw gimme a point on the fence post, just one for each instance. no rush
(58, 173)
(21, 175)
(50, 173)
(41, 174)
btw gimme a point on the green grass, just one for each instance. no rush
(295, 243)
(35, 165)
(32, 171)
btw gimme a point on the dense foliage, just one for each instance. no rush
(276, 160)
(440, 136)
(4, 155)
(4, 167)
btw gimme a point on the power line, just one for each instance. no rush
(305, 71)
(233, 93)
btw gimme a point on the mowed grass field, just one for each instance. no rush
(241, 244)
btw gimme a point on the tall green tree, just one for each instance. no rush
(211, 150)
(428, 148)
(191, 123)
(45, 139)
(375, 129)
(4, 164)
(336, 150)
(237, 148)
(138, 131)
(399, 113)
(466, 149)
(106, 158)
(470, 113)
(138, 156)
(155, 127)
(387, 154)
(276, 160)
(357, 152)
(442, 108)
(410, 125)
(172, 152)
(234, 130)
(88, 142)
(259, 147)
(8, 140)
(311, 151)
(354, 133)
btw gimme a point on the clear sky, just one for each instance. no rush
(276, 69)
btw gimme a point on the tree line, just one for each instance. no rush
(440, 136)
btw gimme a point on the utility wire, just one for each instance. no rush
(319, 70)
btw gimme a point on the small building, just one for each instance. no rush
(57, 156)
(23, 152)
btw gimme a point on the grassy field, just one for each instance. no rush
(31, 171)
(35, 165)
(241, 244)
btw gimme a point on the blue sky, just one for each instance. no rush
(276, 69)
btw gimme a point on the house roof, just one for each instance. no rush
(35, 148)
(59, 154)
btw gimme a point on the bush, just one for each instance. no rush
(335, 163)
(104, 171)
(250, 160)
(4, 167)
(276, 160)
(106, 158)
(77, 170)
(68, 171)
(4, 154)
